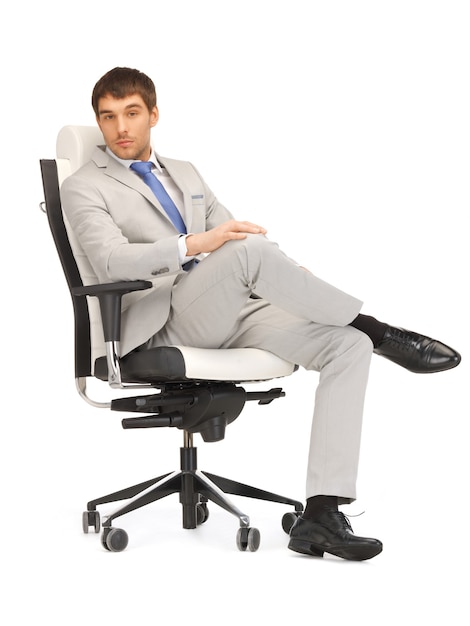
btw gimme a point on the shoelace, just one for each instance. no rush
(399, 338)
(340, 519)
(343, 519)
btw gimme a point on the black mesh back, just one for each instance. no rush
(50, 181)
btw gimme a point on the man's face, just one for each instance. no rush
(125, 124)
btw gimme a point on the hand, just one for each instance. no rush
(216, 237)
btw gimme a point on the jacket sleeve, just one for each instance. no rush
(112, 254)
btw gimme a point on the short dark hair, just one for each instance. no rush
(121, 82)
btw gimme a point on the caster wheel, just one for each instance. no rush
(202, 513)
(248, 539)
(114, 539)
(288, 520)
(91, 518)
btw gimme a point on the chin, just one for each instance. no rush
(122, 153)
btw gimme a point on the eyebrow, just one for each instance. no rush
(132, 105)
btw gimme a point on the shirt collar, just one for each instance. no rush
(128, 162)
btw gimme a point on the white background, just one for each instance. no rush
(343, 127)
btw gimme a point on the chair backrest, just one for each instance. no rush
(75, 145)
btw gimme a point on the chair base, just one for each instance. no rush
(195, 488)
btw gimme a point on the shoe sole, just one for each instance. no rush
(359, 553)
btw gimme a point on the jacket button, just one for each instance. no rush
(162, 270)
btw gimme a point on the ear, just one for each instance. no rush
(154, 116)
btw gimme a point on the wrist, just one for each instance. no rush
(190, 245)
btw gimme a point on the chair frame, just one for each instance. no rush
(177, 404)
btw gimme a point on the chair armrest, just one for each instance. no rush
(110, 296)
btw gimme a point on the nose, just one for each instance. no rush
(121, 124)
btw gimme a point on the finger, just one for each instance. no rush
(235, 235)
(253, 228)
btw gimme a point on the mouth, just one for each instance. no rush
(124, 143)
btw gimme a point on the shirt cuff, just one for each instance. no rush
(182, 250)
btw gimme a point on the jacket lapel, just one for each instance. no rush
(178, 179)
(116, 170)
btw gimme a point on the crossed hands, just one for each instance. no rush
(216, 237)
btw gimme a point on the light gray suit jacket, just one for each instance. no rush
(122, 233)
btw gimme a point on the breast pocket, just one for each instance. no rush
(198, 200)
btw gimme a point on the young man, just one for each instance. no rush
(221, 283)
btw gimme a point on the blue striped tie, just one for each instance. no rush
(144, 170)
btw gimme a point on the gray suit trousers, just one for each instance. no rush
(296, 316)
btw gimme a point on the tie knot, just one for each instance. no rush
(142, 167)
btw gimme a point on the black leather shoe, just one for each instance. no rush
(331, 532)
(415, 352)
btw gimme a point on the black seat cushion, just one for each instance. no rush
(153, 366)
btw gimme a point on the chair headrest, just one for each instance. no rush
(76, 143)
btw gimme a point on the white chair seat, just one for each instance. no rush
(240, 364)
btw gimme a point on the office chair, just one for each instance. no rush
(196, 390)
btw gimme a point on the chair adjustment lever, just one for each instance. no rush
(153, 421)
(152, 403)
(265, 397)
